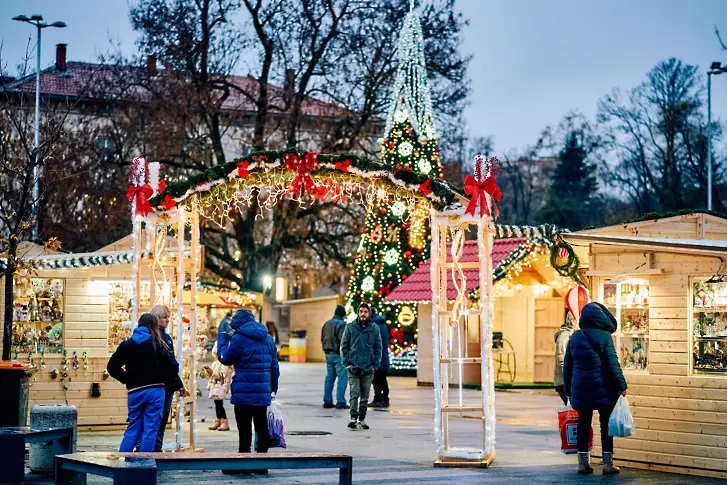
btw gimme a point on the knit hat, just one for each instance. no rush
(340, 311)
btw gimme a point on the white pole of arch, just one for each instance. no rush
(178, 320)
(193, 327)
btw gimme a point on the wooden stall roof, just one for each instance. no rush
(667, 245)
(689, 226)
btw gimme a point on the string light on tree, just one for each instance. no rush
(395, 234)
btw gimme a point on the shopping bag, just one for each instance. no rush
(621, 423)
(568, 426)
(275, 427)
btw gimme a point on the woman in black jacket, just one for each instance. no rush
(145, 364)
(593, 381)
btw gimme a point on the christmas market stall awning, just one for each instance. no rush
(418, 286)
(290, 174)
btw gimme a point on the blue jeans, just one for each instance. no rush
(145, 413)
(335, 370)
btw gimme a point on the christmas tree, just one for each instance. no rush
(395, 239)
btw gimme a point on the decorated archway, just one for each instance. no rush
(167, 216)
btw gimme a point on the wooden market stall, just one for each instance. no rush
(528, 309)
(79, 304)
(664, 281)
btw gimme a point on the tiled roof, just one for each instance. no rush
(418, 286)
(97, 82)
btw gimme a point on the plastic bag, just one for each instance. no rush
(621, 423)
(568, 426)
(275, 428)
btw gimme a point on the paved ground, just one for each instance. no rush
(399, 448)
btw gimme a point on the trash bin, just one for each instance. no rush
(14, 387)
(297, 346)
(40, 456)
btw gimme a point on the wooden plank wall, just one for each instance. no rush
(681, 419)
(86, 315)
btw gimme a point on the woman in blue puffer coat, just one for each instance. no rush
(253, 354)
(593, 381)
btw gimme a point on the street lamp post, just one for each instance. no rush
(37, 20)
(715, 68)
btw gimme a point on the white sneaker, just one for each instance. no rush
(362, 425)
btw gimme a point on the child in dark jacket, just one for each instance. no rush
(144, 364)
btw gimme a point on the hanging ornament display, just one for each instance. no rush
(74, 361)
(406, 149)
(85, 361)
(424, 166)
(406, 316)
(398, 208)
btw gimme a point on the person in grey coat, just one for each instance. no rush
(331, 336)
(361, 350)
(561, 343)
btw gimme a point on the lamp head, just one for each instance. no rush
(36, 17)
(21, 18)
(58, 24)
(716, 65)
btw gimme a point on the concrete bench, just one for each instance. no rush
(138, 468)
(12, 448)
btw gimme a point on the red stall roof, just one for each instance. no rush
(418, 286)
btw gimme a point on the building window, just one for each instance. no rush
(37, 316)
(709, 326)
(628, 300)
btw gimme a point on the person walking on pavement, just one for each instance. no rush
(361, 354)
(218, 384)
(145, 365)
(331, 336)
(562, 335)
(253, 354)
(381, 385)
(593, 381)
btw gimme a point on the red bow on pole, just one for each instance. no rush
(242, 169)
(478, 190)
(397, 335)
(303, 181)
(141, 194)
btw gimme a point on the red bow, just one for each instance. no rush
(303, 181)
(478, 191)
(169, 202)
(141, 194)
(242, 171)
(162, 185)
(343, 166)
(328, 188)
(425, 187)
(397, 335)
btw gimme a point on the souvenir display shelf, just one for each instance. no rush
(628, 300)
(709, 327)
(38, 315)
(120, 324)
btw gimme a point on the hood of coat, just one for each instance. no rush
(340, 311)
(244, 323)
(595, 315)
(562, 331)
(141, 335)
(376, 318)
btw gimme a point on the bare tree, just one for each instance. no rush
(659, 138)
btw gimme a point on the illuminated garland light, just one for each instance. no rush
(424, 166)
(398, 208)
(405, 149)
(76, 261)
(392, 256)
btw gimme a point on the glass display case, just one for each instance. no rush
(709, 326)
(628, 300)
(38, 315)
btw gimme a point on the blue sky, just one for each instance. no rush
(533, 60)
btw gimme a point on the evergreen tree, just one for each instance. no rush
(572, 197)
(395, 236)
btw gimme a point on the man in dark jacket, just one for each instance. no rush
(251, 350)
(381, 385)
(361, 353)
(331, 336)
(593, 380)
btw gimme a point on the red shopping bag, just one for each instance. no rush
(568, 426)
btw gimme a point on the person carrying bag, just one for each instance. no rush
(593, 381)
